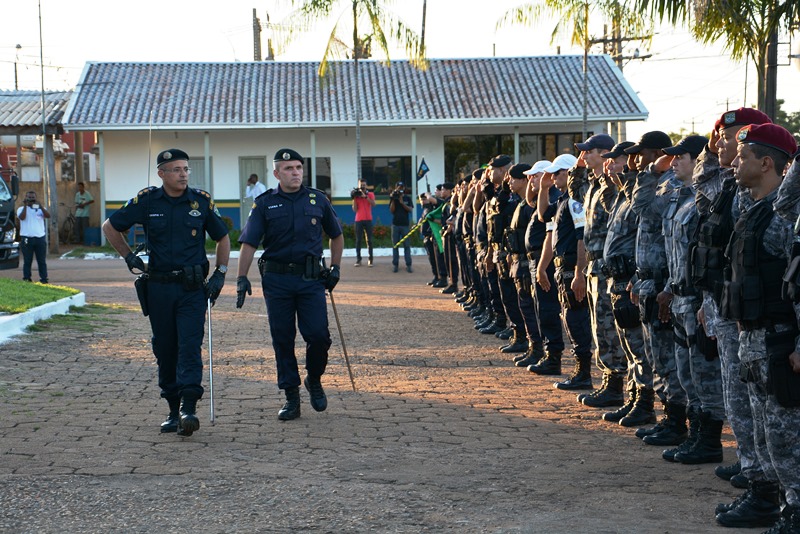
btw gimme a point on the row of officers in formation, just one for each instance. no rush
(675, 269)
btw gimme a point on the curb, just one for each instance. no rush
(346, 253)
(13, 325)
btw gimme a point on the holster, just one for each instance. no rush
(705, 344)
(194, 276)
(782, 381)
(626, 315)
(681, 337)
(791, 279)
(524, 283)
(313, 268)
(140, 284)
(565, 294)
(648, 314)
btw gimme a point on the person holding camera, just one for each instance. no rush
(400, 206)
(32, 232)
(363, 201)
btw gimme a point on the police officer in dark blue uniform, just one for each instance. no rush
(175, 219)
(290, 220)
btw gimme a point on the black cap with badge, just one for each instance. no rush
(171, 154)
(287, 154)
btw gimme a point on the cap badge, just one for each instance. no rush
(742, 135)
(286, 156)
(167, 155)
(729, 117)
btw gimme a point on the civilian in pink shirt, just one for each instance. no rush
(363, 201)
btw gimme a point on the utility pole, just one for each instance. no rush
(256, 37)
(770, 104)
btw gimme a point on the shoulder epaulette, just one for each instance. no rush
(201, 193)
(146, 190)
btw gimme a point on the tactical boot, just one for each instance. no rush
(581, 377)
(725, 472)
(317, 395)
(494, 328)
(761, 508)
(550, 365)
(789, 523)
(533, 356)
(516, 344)
(708, 447)
(658, 427)
(694, 434)
(622, 411)
(449, 290)
(484, 321)
(722, 507)
(291, 409)
(461, 296)
(174, 417)
(674, 429)
(610, 395)
(505, 333)
(642, 411)
(189, 422)
(739, 481)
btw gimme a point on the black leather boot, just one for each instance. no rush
(708, 447)
(726, 472)
(550, 365)
(642, 411)
(658, 427)
(761, 508)
(622, 411)
(534, 354)
(505, 333)
(694, 434)
(609, 395)
(673, 430)
(789, 523)
(515, 344)
(723, 507)
(189, 423)
(497, 326)
(316, 394)
(174, 417)
(581, 377)
(291, 408)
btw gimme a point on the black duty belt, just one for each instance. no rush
(166, 277)
(270, 266)
(565, 262)
(681, 290)
(534, 255)
(650, 274)
(591, 256)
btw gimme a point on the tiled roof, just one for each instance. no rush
(21, 112)
(284, 94)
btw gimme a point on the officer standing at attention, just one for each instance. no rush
(289, 221)
(176, 219)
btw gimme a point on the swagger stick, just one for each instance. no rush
(210, 363)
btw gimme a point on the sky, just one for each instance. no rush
(684, 85)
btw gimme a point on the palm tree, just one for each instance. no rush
(381, 28)
(573, 19)
(748, 28)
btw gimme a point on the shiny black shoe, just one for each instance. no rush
(432, 282)
(493, 328)
(317, 395)
(504, 334)
(291, 408)
(188, 423)
(515, 346)
(576, 381)
(173, 419)
(440, 284)
(449, 290)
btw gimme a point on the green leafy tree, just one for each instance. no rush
(358, 26)
(747, 28)
(789, 120)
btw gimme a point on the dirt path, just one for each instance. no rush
(444, 433)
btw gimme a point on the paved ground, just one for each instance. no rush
(443, 434)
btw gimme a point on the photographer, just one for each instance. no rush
(400, 206)
(32, 233)
(363, 201)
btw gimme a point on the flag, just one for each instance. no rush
(436, 228)
(423, 170)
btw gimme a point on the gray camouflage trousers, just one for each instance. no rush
(609, 355)
(631, 341)
(659, 351)
(706, 376)
(776, 429)
(735, 393)
(685, 350)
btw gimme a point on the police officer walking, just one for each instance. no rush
(175, 219)
(289, 221)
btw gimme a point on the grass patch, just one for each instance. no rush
(17, 296)
(82, 252)
(79, 319)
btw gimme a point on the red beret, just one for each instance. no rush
(742, 117)
(770, 135)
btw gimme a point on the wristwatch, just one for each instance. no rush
(222, 268)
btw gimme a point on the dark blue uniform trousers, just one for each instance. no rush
(293, 301)
(177, 317)
(548, 311)
(510, 300)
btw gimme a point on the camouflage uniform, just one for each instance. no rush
(649, 201)
(619, 252)
(775, 426)
(584, 187)
(708, 179)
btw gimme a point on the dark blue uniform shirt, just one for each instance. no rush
(569, 222)
(175, 227)
(537, 230)
(291, 224)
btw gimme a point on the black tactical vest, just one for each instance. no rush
(707, 255)
(752, 290)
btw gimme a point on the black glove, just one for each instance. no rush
(242, 287)
(331, 277)
(134, 262)
(214, 286)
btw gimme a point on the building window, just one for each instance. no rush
(323, 175)
(382, 172)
